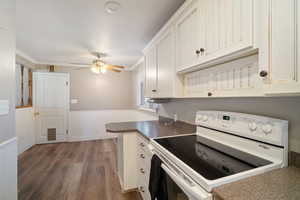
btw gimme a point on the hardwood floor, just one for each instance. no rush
(70, 171)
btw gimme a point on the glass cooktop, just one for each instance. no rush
(210, 159)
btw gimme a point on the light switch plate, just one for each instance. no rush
(74, 101)
(4, 107)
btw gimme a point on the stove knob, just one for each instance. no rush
(252, 126)
(267, 128)
(205, 118)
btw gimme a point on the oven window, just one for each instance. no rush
(174, 192)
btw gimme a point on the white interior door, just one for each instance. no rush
(51, 106)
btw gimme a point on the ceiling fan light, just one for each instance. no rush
(103, 70)
(95, 69)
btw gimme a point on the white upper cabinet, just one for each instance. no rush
(165, 64)
(187, 36)
(213, 31)
(151, 72)
(228, 27)
(281, 73)
(226, 48)
(7, 14)
(161, 78)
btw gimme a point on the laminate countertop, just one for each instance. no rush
(152, 129)
(280, 184)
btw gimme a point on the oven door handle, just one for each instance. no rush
(193, 192)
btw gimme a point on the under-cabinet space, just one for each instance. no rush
(236, 78)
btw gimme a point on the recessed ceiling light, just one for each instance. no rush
(112, 7)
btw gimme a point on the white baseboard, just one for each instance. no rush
(8, 170)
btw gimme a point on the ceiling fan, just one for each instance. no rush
(99, 66)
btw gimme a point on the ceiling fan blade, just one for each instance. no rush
(85, 64)
(115, 66)
(81, 68)
(98, 54)
(114, 70)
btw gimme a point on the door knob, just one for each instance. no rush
(142, 171)
(36, 113)
(263, 73)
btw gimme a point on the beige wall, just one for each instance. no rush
(287, 108)
(98, 92)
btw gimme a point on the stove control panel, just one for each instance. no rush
(264, 129)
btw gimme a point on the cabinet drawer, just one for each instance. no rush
(142, 143)
(144, 191)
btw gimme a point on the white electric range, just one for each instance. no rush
(226, 147)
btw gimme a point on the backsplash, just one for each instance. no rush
(287, 108)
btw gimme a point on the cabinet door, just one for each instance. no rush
(151, 73)
(229, 26)
(187, 37)
(283, 71)
(7, 14)
(165, 64)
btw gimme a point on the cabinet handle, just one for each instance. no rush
(142, 144)
(154, 90)
(200, 51)
(142, 156)
(263, 73)
(142, 171)
(209, 94)
(36, 113)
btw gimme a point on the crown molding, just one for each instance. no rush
(26, 56)
(133, 67)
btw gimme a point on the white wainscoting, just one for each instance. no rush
(90, 125)
(8, 170)
(25, 129)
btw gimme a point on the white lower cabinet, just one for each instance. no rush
(144, 156)
(126, 161)
(134, 163)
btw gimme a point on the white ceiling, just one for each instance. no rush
(64, 31)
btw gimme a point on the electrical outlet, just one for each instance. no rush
(175, 117)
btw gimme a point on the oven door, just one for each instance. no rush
(181, 187)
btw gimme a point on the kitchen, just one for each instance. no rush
(202, 102)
